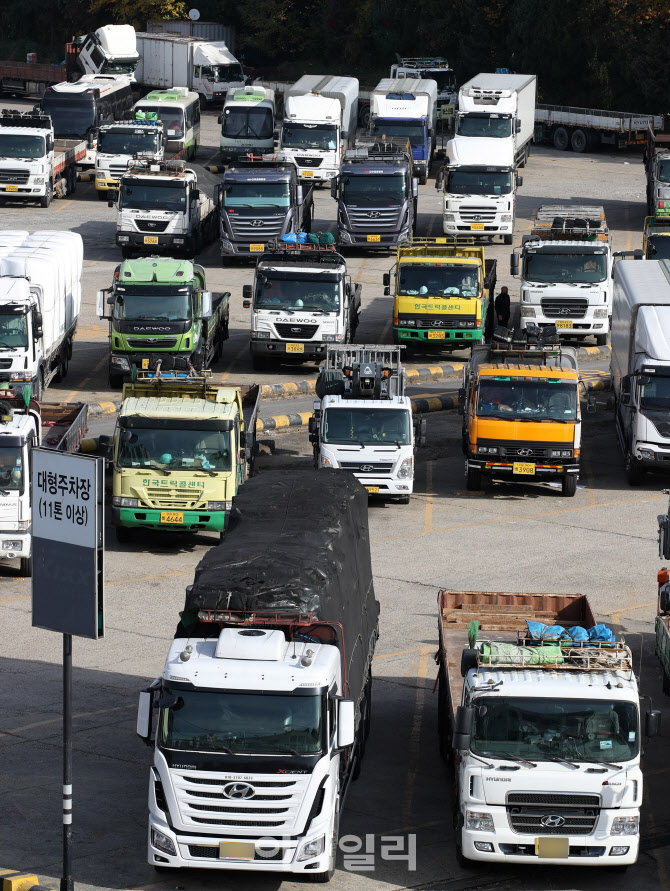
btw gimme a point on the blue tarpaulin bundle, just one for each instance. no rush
(575, 636)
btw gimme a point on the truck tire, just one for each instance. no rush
(473, 480)
(39, 386)
(203, 101)
(61, 374)
(423, 179)
(45, 200)
(403, 499)
(561, 139)
(601, 339)
(569, 485)
(307, 222)
(634, 472)
(508, 239)
(364, 117)
(127, 253)
(666, 682)
(115, 381)
(443, 718)
(578, 141)
(72, 187)
(26, 567)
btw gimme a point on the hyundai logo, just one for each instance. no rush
(476, 216)
(438, 323)
(366, 468)
(525, 452)
(374, 214)
(239, 790)
(256, 223)
(553, 821)
(565, 311)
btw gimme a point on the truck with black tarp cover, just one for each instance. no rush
(264, 702)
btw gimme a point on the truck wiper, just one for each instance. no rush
(557, 758)
(205, 470)
(481, 759)
(162, 469)
(515, 758)
(284, 750)
(613, 764)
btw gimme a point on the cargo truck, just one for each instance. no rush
(34, 164)
(122, 143)
(40, 301)
(640, 364)
(521, 415)
(501, 108)
(247, 122)
(302, 299)
(260, 200)
(320, 118)
(111, 49)
(161, 210)
(161, 307)
(657, 169)
(24, 426)
(31, 78)
(585, 129)
(263, 707)
(542, 727)
(377, 195)
(443, 293)
(430, 68)
(566, 271)
(406, 109)
(655, 238)
(363, 421)
(182, 448)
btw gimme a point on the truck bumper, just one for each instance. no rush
(122, 363)
(650, 456)
(316, 174)
(386, 486)
(312, 349)
(163, 244)
(105, 183)
(505, 469)
(578, 328)
(452, 339)
(242, 249)
(148, 518)
(456, 227)
(346, 238)
(29, 190)
(14, 544)
(505, 846)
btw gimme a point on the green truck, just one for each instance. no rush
(159, 307)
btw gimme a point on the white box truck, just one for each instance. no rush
(499, 107)
(640, 364)
(170, 60)
(320, 117)
(406, 109)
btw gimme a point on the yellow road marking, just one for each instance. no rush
(97, 368)
(402, 653)
(627, 609)
(10, 599)
(63, 206)
(226, 374)
(415, 735)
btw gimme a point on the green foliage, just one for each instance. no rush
(139, 12)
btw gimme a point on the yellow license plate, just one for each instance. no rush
(295, 347)
(552, 847)
(11, 188)
(374, 238)
(256, 247)
(521, 467)
(308, 173)
(440, 241)
(372, 489)
(563, 323)
(231, 850)
(170, 516)
(436, 335)
(151, 239)
(145, 364)
(476, 226)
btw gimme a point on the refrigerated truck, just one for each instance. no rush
(406, 108)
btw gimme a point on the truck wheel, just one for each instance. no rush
(569, 485)
(45, 200)
(578, 141)
(403, 499)
(72, 185)
(26, 567)
(601, 339)
(633, 471)
(123, 534)
(666, 681)
(127, 253)
(443, 718)
(39, 386)
(561, 139)
(368, 706)
(508, 239)
(115, 381)
(61, 374)
(473, 481)
(102, 195)
(364, 117)
(423, 179)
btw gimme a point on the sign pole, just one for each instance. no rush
(66, 883)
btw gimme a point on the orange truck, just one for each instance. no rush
(521, 415)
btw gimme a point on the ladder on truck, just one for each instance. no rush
(549, 354)
(571, 222)
(367, 371)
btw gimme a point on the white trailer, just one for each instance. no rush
(584, 129)
(320, 119)
(170, 60)
(406, 109)
(500, 107)
(640, 364)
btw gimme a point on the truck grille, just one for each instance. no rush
(367, 468)
(168, 343)
(473, 214)
(255, 228)
(296, 332)
(152, 225)
(439, 321)
(245, 814)
(117, 169)
(385, 219)
(5, 363)
(11, 175)
(564, 307)
(309, 162)
(173, 499)
(212, 853)
(578, 813)
(524, 450)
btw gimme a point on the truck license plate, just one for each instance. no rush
(145, 364)
(170, 516)
(295, 347)
(374, 238)
(255, 248)
(373, 489)
(522, 467)
(11, 188)
(230, 850)
(151, 239)
(307, 173)
(552, 847)
(436, 335)
(476, 226)
(563, 323)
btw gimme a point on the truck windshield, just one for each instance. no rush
(565, 268)
(443, 280)
(243, 723)
(247, 123)
(153, 196)
(655, 393)
(127, 141)
(445, 80)
(370, 189)
(11, 468)
(306, 136)
(13, 330)
(142, 302)
(71, 115)
(174, 448)
(479, 182)
(308, 294)
(367, 426)
(544, 729)
(223, 74)
(416, 133)
(538, 399)
(484, 125)
(172, 118)
(658, 247)
(256, 194)
(16, 146)
(663, 174)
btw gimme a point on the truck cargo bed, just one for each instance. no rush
(63, 425)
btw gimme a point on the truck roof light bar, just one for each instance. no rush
(13, 118)
(144, 166)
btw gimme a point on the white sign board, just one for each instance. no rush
(64, 506)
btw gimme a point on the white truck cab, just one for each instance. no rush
(122, 142)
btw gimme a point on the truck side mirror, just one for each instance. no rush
(333, 187)
(314, 437)
(430, 133)
(311, 425)
(461, 401)
(206, 304)
(652, 723)
(195, 194)
(415, 187)
(346, 723)
(112, 196)
(91, 137)
(37, 324)
(463, 727)
(626, 387)
(386, 280)
(144, 716)
(217, 197)
(519, 181)
(517, 126)
(100, 303)
(514, 263)
(50, 145)
(439, 181)
(220, 118)
(247, 295)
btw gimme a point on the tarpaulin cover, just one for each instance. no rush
(298, 541)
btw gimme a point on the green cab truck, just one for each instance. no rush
(157, 306)
(182, 447)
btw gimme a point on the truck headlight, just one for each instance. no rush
(312, 849)
(600, 313)
(24, 525)
(162, 842)
(178, 240)
(449, 218)
(219, 505)
(329, 338)
(123, 238)
(326, 462)
(38, 180)
(527, 312)
(480, 821)
(121, 362)
(20, 375)
(261, 335)
(99, 174)
(408, 323)
(626, 825)
(506, 218)
(647, 454)
(122, 501)
(487, 450)
(405, 471)
(11, 546)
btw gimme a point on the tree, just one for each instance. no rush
(139, 12)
